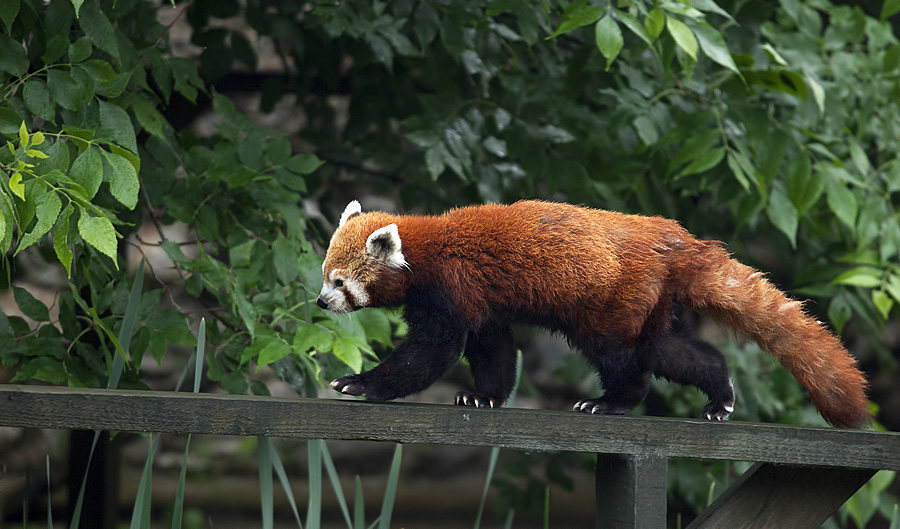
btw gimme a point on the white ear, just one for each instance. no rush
(384, 244)
(353, 209)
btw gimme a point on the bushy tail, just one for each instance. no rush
(738, 296)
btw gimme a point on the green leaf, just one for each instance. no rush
(47, 208)
(859, 157)
(737, 170)
(124, 185)
(16, 185)
(582, 17)
(705, 161)
(56, 48)
(77, 5)
(87, 170)
(149, 117)
(711, 7)
(30, 306)
(23, 135)
(841, 200)
(81, 50)
(8, 11)
(783, 214)
(683, 36)
(889, 8)
(9, 121)
(285, 254)
(803, 188)
(883, 302)
(38, 101)
(654, 23)
(115, 125)
(839, 312)
(818, 93)
(693, 148)
(861, 276)
(713, 45)
(634, 26)
(347, 352)
(313, 337)
(42, 368)
(99, 70)
(609, 39)
(61, 240)
(12, 56)
(98, 28)
(99, 233)
(303, 164)
(273, 351)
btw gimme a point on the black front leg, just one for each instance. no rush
(413, 366)
(433, 344)
(491, 353)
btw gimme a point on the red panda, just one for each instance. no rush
(608, 281)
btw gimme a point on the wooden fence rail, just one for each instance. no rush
(804, 474)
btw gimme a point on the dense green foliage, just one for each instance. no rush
(772, 125)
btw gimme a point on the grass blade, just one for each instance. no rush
(140, 517)
(492, 465)
(335, 483)
(265, 482)
(359, 505)
(197, 358)
(124, 341)
(390, 493)
(509, 519)
(49, 503)
(547, 507)
(285, 484)
(314, 510)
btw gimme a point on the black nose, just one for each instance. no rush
(322, 303)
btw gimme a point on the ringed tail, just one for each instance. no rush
(739, 297)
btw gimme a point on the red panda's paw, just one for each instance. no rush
(356, 386)
(465, 398)
(717, 411)
(601, 406)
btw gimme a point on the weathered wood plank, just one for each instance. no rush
(147, 411)
(775, 496)
(631, 491)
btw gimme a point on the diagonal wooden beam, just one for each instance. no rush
(776, 496)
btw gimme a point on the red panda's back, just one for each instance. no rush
(595, 266)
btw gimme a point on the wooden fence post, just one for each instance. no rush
(631, 491)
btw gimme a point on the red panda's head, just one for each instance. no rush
(363, 250)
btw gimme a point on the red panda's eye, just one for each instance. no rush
(338, 283)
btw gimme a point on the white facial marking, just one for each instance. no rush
(340, 290)
(384, 244)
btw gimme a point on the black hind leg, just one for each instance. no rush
(699, 364)
(625, 382)
(491, 353)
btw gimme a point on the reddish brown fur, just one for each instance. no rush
(598, 273)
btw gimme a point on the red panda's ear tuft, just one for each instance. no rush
(384, 244)
(353, 209)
